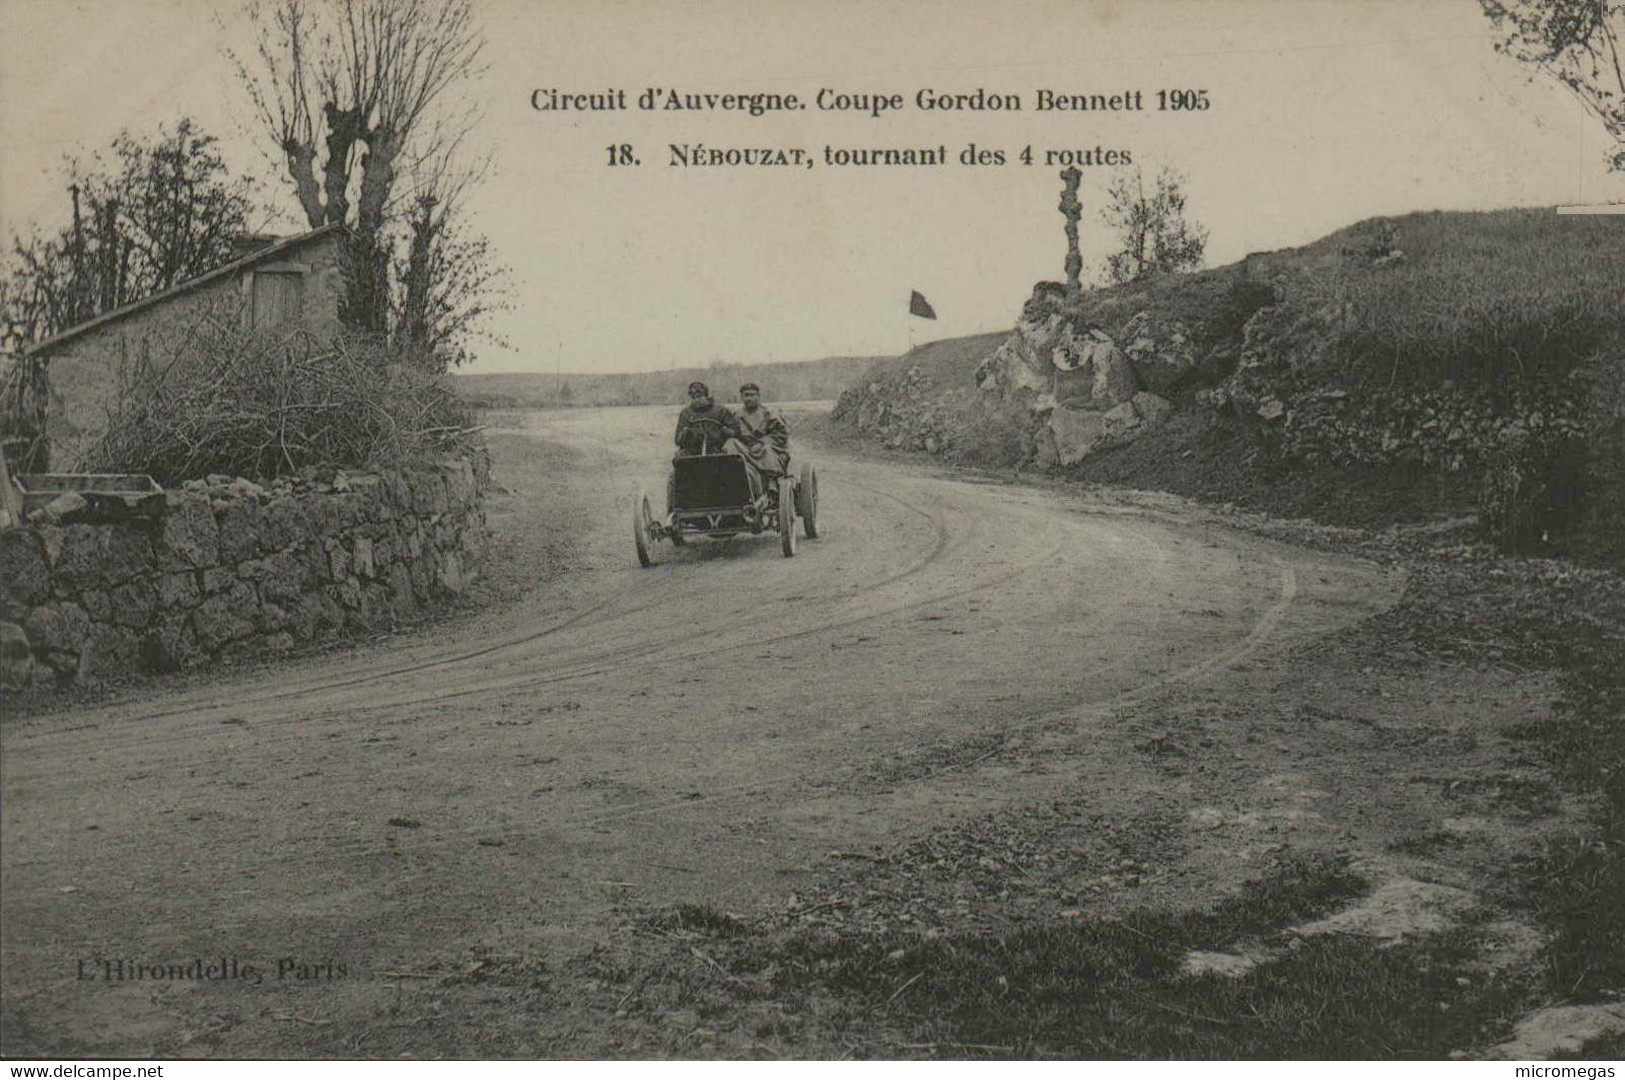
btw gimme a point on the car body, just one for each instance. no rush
(716, 496)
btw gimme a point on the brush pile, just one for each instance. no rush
(224, 401)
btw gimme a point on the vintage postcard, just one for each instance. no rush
(886, 531)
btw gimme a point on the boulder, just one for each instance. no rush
(1076, 432)
(81, 557)
(272, 618)
(316, 613)
(97, 605)
(173, 645)
(346, 593)
(280, 576)
(1118, 425)
(216, 579)
(226, 616)
(133, 604)
(189, 540)
(338, 558)
(179, 591)
(451, 575)
(127, 552)
(109, 650)
(1161, 353)
(283, 523)
(58, 627)
(16, 657)
(239, 525)
(24, 576)
(362, 560)
(402, 598)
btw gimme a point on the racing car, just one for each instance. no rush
(722, 495)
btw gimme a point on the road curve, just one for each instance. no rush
(695, 731)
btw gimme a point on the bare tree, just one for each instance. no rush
(450, 281)
(1155, 236)
(376, 74)
(1577, 42)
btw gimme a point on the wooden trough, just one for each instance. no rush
(120, 494)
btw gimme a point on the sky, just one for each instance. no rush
(1321, 114)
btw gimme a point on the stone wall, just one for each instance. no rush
(225, 568)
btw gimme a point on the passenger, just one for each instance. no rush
(763, 432)
(704, 427)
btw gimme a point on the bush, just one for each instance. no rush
(220, 400)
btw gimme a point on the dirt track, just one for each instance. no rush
(706, 731)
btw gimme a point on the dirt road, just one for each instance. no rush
(707, 731)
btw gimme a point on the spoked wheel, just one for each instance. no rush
(787, 516)
(643, 529)
(807, 500)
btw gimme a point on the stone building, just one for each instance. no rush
(279, 287)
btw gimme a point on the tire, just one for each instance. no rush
(641, 523)
(787, 516)
(807, 500)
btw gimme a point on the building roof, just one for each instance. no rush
(264, 254)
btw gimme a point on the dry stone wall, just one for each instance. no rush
(226, 568)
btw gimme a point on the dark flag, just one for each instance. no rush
(917, 306)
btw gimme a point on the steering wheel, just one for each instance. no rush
(703, 422)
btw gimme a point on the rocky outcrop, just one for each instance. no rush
(1086, 389)
(226, 568)
(1053, 359)
(1079, 373)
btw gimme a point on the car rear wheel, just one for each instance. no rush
(643, 529)
(787, 516)
(807, 500)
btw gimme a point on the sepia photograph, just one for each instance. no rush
(1054, 530)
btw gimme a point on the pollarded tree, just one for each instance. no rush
(450, 282)
(1155, 237)
(359, 89)
(1577, 42)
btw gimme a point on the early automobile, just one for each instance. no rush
(723, 495)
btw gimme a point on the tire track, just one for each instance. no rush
(583, 620)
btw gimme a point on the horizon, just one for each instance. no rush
(725, 364)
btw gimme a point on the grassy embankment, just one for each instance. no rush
(1433, 364)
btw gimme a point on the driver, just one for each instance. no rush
(704, 426)
(764, 433)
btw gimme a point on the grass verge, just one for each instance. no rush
(1119, 989)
